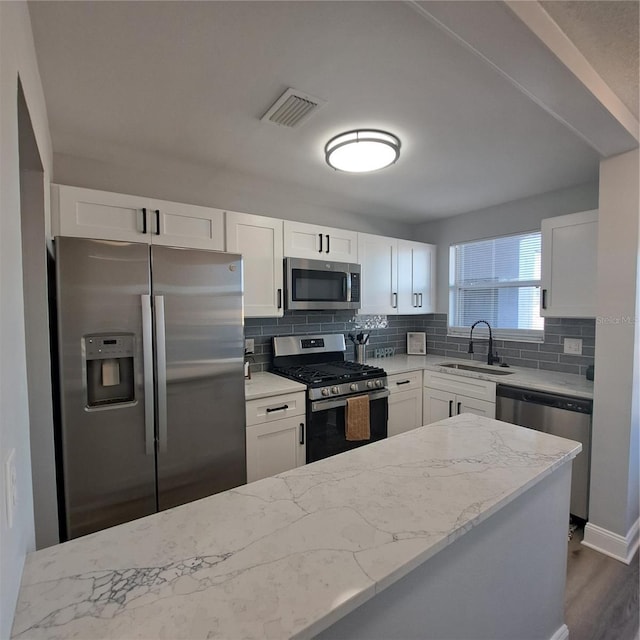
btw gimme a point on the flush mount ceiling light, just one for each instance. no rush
(362, 150)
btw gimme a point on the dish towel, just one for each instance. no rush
(357, 425)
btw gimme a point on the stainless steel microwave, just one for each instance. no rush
(321, 284)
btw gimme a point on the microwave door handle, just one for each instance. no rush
(347, 287)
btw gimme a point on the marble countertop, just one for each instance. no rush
(537, 379)
(286, 556)
(263, 385)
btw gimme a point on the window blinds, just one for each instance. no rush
(497, 280)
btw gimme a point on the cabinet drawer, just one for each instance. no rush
(470, 387)
(275, 408)
(399, 382)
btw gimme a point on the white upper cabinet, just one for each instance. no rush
(302, 240)
(104, 215)
(416, 268)
(569, 261)
(187, 225)
(379, 280)
(398, 276)
(259, 240)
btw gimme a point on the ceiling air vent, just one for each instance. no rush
(292, 108)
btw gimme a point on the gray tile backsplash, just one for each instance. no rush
(547, 355)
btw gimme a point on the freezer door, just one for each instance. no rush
(197, 299)
(107, 448)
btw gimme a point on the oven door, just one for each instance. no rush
(315, 284)
(326, 425)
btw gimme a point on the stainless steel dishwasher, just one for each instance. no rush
(558, 415)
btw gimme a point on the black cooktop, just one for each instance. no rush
(330, 372)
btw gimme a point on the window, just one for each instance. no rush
(497, 280)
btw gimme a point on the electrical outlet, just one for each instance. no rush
(249, 345)
(11, 497)
(573, 346)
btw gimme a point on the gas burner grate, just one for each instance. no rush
(330, 372)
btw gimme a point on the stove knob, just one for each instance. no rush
(335, 390)
(370, 384)
(325, 392)
(353, 387)
(378, 383)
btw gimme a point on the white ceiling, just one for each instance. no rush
(607, 35)
(190, 81)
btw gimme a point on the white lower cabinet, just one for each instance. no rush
(276, 430)
(405, 402)
(446, 395)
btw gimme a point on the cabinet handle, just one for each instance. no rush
(450, 408)
(157, 222)
(544, 298)
(327, 243)
(394, 302)
(279, 298)
(403, 382)
(320, 249)
(302, 433)
(416, 299)
(459, 405)
(144, 220)
(420, 305)
(284, 407)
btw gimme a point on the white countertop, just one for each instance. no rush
(263, 385)
(286, 556)
(537, 379)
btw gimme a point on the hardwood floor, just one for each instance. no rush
(601, 597)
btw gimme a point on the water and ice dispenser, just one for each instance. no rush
(109, 369)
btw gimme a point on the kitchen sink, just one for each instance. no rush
(494, 371)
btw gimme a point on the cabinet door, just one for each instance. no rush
(478, 407)
(405, 411)
(275, 447)
(379, 286)
(416, 277)
(569, 252)
(87, 213)
(437, 405)
(342, 245)
(187, 225)
(259, 240)
(423, 270)
(302, 240)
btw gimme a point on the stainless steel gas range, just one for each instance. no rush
(319, 362)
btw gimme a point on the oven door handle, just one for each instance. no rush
(323, 405)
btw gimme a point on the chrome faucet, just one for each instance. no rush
(492, 358)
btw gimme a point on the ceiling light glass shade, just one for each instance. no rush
(362, 150)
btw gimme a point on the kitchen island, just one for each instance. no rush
(457, 529)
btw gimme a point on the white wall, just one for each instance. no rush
(171, 179)
(614, 468)
(17, 58)
(511, 217)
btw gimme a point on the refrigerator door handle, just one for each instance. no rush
(147, 365)
(161, 364)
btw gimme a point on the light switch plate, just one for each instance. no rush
(573, 346)
(249, 345)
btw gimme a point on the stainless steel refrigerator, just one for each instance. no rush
(151, 351)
